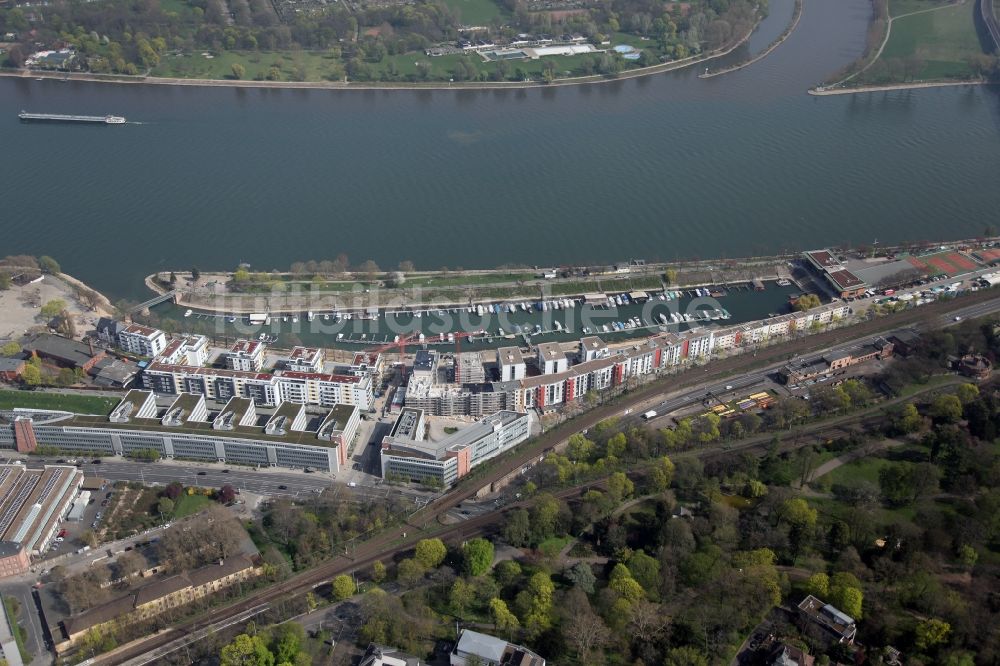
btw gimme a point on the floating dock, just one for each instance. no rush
(64, 118)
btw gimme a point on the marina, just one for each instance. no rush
(486, 325)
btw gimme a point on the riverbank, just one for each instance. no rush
(821, 91)
(766, 52)
(20, 306)
(393, 85)
(353, 291)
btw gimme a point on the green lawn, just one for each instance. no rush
(865, 469)
(467, 280)
(78, 404)
(942, 40)
(551, 547)
(187, 505)
(294, 65)
(475, 12)
(900, 7)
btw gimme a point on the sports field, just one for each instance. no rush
(952, 263)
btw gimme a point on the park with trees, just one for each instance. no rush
(370, 41)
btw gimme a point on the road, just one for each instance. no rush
(269, 482)
(424, 523)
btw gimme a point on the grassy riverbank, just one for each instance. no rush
(918, 42)
(936, 44)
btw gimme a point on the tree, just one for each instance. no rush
(645, 570)
(506, 572)
(10, 349)
(661, 474)
(53, 308)
(343, 587)
(378, 572)
(406, 266)
(818, 585)
(807, 302)
(49, 265)
(908, 420)
(622, 582)
(239, 71)
(31, 375)
(287, 640)
(539, 615)
(966, 393)
(946, 409)
(478, 556)
(195, 274)
(369, 269)
(430, 552)
(684, 656)
(845, 593)
(461, 597)
(517, 528)
(246, 650)
(227, 494)
(931, 632)
(165, 506)
(968, 555)
(582, 628)
(504, 621)
(129, 564)
(619, 487)
(410, 571)
(798, 513)
(582, 576)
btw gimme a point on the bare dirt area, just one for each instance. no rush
(20, 306)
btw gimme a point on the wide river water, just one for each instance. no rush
(664, 167)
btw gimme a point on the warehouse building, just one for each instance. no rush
(32, 504)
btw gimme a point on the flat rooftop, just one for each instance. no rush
(845, 279)
(424, 361)
(405, 426)
(336, 420)
(551, 351)
(303, 353)
(436, 450)
(509, 356)
(823, 258)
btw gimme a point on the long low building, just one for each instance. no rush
(407, 455)
(32, 504)
(289, 437)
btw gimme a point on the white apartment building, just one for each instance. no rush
(142, 340)
(190, 350)
(245, 355)
(551, 358)
(511, 364)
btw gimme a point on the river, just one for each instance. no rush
(663, 167)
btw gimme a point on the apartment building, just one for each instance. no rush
(245, 356)
(142, 340)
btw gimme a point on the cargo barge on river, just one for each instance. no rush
(63, 118)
